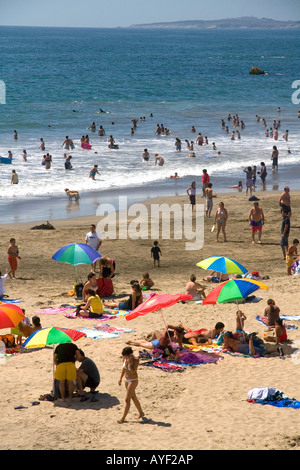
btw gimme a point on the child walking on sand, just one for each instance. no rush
(156, 253)
(13, 256)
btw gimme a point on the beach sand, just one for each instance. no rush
(203, 408)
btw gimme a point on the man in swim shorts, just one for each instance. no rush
(285, 201)
(256, 220)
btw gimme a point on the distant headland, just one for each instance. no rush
(245, 22)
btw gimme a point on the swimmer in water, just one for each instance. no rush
(146, 155)
(159, 160)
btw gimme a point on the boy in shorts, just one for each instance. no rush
(155, 253)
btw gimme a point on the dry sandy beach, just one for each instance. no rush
(203, 408)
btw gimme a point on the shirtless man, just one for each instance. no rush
(285, 201)
(67, 143)
(209, 199)
(194, 288)
(13, 255)
(199, 139)
(256, 220)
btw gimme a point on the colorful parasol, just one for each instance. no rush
(76, 254)
(222, 265)
(233, 290)
(10, 315)
(52, 335)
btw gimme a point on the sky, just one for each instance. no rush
(123, 13)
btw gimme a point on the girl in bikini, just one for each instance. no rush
(130, 366)
(220, 220)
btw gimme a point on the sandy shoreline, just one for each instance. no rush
(58, 207)
(210, 398)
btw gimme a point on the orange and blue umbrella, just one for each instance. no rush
(52, 335)
(222, 265)
(233, 290)
(10, 315)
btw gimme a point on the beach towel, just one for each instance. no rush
(94, 334)
(112, 329)
(283, 317)
(107, 314)
(164, 365)
(290, 317)
(5, 300)
(52, 310)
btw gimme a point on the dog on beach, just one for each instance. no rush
(72, 194)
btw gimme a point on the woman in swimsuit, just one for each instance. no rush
(130, 366)
(131, 302)
(220, 220)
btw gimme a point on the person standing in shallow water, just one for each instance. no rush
(129, 370)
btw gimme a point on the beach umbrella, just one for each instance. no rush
(157, 302)
(76, 254)
(52, 335)
(10, 315)
(222, 265)
(233, 290)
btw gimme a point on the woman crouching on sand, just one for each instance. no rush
(130, 366)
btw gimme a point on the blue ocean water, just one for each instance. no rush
(57, 80)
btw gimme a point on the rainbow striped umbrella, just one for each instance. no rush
(52, 335)
(10, 315)
(222, 265)
(233, 290)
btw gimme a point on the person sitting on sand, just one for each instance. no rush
(146, 282)
(27, 330)
(271, 314)
(195, 289)
(93, 308)
(128, 303)
(234, 345)
(279, 335)
(291, 255)
(91, 284)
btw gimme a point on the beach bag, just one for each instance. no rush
(8, 340)
(78, 290)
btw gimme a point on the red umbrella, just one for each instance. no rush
(156, 302)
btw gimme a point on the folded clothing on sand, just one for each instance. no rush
(272, 396)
